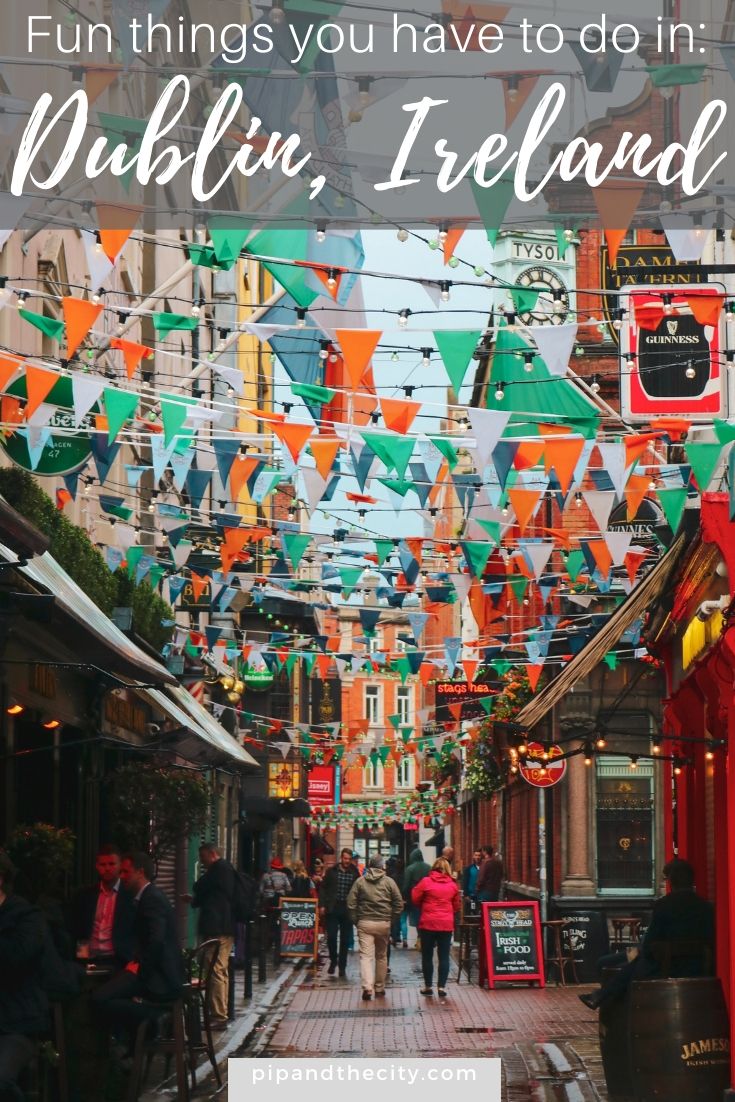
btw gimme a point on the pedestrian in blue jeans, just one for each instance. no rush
(333, 892)
(437, 897)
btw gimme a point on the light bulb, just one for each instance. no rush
(568, 235)
(499, 393)
(97, 296)
(425, 357)
(444, 294)
(403, 318)
(691, 372)
(98, 243)
(578, 501)
(22, 298)
(321, 232)
(394, 357)
(595, 386)
(634, 761)
(300, 317)
(668, 305)
(442, 234)
(730, 314)
(332, 279)
(601, 743)
(453, 262)
(504, 510)
(652, 485)
(479, 271)
(402, 234)
(528, 362)
(558, 306)
(196, 310)
(323, 350)
(511, 89)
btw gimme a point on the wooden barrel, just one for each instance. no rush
(615, 1046)
(679, 1040)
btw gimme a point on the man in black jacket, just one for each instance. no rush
(333, 893)
(155, 975)
(102, 915)
(23, 1001)
(213, 894)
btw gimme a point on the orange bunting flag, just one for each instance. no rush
(240, 472)
(602, 556)
(39, 384)
(649, 315)
(361, 499)
(427, 670)
(357, 347)
(323, 662)
(525, 503)
(706, 308)
(116, 224)
(63, 497)
(470, 669)
(399, 413)
(8, 367)
(132, 354)
(324, 449)
(199, 583)
(233, 543)
(294, 435)
(635, 491)
(456, 710)
(453, 238)
(673, 427)
(632, 562)
(616, 204)
(533, 673)
(635, 446)
(516, 95)
(79, 317)
(563, 456)
(11, 411)
(529, 454)
(98, 78)
(331, 278)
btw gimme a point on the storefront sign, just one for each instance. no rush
(299, 925)
(42, 680)
(321, 787)
(543, 773)
(326, 700)
(513, 943)
(120, 711)
(258, 681)
(674, 369)
(626, 273)
(467, 693)
(65, 451)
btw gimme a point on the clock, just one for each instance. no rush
(553, 292)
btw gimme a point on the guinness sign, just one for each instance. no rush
(673, 369)
(627, 273)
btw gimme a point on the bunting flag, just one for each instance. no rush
(120, 406)
(132, 354)
(79, 317)
(673, 503)
(50, 327)
(616, 205)
(492, 204)
(525, 503)
(555, 344)
(174, 411)
(399, 413)
(358, 346)
(117, 222)
(704, 460)
(39, 384)
(456, 350)
(393, 451)
(294, 436)
(164, 322)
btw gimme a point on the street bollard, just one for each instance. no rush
(248, 961)
(262, 946)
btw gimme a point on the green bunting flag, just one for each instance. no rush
(611, 660)
(446, 447)
(402, 666)
(574, 562)
(312, 393)
(518, 585)
(673, 503)
(288, 245)
(703, 459)
(456, 351)
(228, 235)
(492, 204)
(562, 241)
(492, 527)
(120, 406)
(670, 76)
(476, 556)
(204, 256)
(350, 576)
(383, 549)
(50, 327)
(525, 299)
(165, 323)
(725, 431)
(174, 411)
(295, 544)
(394, 451)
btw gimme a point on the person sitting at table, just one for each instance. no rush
(155, 975)
(681, 915)
(102, 914)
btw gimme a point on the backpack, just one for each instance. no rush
(244, 897)
(273, 886)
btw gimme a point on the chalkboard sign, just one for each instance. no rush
(299, 927)
(513, 943)
(586, 938)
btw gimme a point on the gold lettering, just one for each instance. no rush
(685, 1052)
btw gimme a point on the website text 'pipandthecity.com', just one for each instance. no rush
(479, 1080)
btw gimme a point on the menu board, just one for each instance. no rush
(513, 943)
(299, 927)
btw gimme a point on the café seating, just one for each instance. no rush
(171, 1042)
(561, 955)
(469, 935)
(200, 969)
(619, 926)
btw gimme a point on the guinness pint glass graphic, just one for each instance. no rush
(671, 354)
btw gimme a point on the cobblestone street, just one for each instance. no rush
(546, 1039)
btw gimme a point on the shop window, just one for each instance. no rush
(624, 813)
(403, 705)
(405, 772)
(372, 705)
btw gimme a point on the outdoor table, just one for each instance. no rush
(88, 1042)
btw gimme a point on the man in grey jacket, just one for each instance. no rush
(374, 901)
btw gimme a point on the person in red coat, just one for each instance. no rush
(437, 897)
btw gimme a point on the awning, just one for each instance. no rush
(46, 572)
(180, 703)
(592, 654)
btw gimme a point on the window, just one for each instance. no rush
(373, 643)
(373, 775)
(403, 705)
(401, 646)
(372, 704)
(404, 772)
(624, 826)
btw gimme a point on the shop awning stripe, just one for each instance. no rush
(592, 654)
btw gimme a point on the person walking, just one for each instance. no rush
(336, 885)
(302, 886)
(399, 927)
(416, 870)
(437, 897)
(374, 901)
(213, 895)
(490, 876)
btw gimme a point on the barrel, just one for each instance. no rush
(679, 1040)
(615, 1046)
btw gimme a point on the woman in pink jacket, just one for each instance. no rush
(437, 896)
